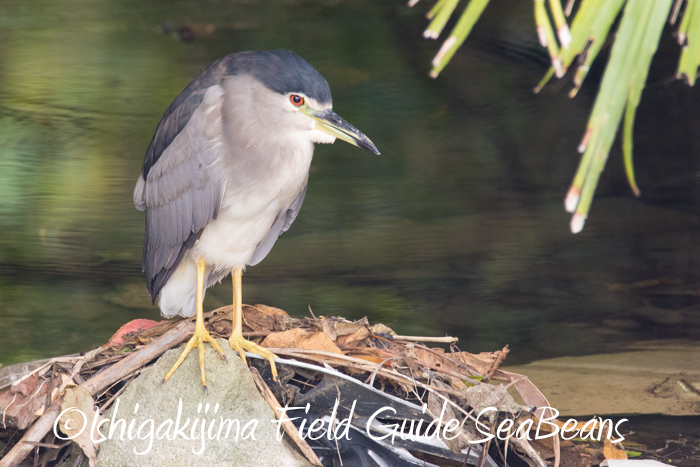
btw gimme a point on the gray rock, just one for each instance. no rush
(251, 439)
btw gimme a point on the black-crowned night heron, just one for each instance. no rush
(225, 175)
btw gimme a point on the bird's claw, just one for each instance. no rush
(198, 339)
(240, 345)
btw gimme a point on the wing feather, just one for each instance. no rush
(282, 223)
(180, 189)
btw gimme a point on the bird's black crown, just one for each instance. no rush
(282, 71)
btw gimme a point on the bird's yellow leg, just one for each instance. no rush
(237, 341)
(201, 335)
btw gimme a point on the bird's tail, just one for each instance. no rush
(179, 295)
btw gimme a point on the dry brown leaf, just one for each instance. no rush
(128, 330)
(78, 419)
(572, 456)
(530, 394)
(328, 327)
(613, 451)
(411, 364)
(343, 332)
(25, 386)
(271, 310)
(301, 339)
(439, 409)
(261, 318)
(500, 356)
(19, 410)
(67, 382)
(286, 339)
(344, 327)
(457, 384)
(481, 362)
(438, 359)
(319, 341)
(353, 339)
(543, 447)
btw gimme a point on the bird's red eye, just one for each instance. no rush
(296, 99)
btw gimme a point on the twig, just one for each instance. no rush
(379, 367)
(499, 359)
(687, 387)
(47, 445)
(320, 356)
(389, 374)
(287, 424)
(107, 361)
(35, 434)
(330, 426)
(257, 333)
(139, 358)
(64, 457)
(5, 409)
(79, 461)
(109, 401)
(79, 365)
(95, 384)
(529, 450)
(484, 452)
(532, 396)
(439, 340)
(471, 369)
(41, 369)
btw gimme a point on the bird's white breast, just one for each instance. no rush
(251, 205)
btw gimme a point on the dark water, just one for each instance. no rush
(457, 228)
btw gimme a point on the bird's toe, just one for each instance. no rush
(240, 344)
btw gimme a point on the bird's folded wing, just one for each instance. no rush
(182, 188)
(282, 223)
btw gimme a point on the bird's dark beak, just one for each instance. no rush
(333, 124)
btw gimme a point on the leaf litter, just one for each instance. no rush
(352, 368)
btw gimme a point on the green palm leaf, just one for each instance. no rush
(636, 41)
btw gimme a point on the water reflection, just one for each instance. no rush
(457, 228)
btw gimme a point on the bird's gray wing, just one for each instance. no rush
(180, 111)
(282, 223)
(180, 187)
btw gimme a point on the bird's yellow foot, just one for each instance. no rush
(200, 336)
(240, 344)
